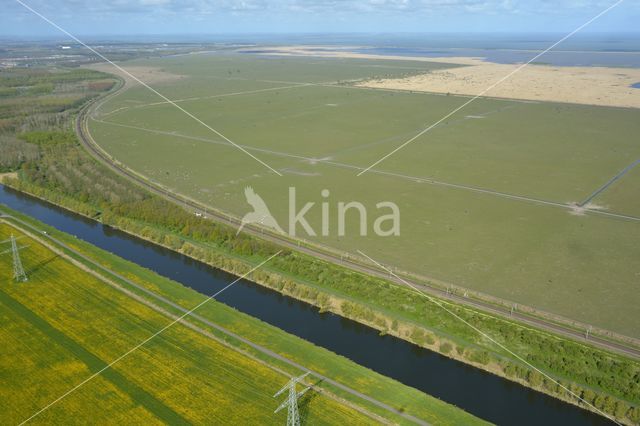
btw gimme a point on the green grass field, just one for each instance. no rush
(64, 324)
(580, 266)
(622, 195)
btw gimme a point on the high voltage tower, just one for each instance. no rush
(18, 271)
(293, 416)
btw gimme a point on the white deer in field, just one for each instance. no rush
(260, 213)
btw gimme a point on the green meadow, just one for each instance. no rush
(623, 194)
(484, 197)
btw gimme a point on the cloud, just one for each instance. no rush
(306, 6)
(132, 16)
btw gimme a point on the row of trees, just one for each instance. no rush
(32, 77)
(43, 98)
(15, 152)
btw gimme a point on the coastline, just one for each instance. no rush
(470, 76)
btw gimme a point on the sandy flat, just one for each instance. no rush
(10, 175)
(582, 85)
(333, 52)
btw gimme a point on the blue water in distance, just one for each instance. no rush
(601, 49)
(508, 56)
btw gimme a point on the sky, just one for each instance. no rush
(163, 17)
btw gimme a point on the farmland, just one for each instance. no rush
(65, 324)
(485, 197)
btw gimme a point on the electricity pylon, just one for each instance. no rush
(18, 271)
(293, 416)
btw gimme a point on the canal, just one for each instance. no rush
(480, 393)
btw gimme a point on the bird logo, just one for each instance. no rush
(260, 213)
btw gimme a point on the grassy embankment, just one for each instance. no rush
(71, 324)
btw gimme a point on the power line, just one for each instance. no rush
(19, 275)
(293, 415)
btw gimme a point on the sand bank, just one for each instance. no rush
(582, 85)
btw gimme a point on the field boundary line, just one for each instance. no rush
(197, 98)
(485, 335)
(417, 179)
(63, 246)
(201, 139)
(409, 132)
(487, 191)
(610, 182)
(26, 6)
(506, 77)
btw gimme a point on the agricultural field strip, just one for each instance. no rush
(222, 95)
(287, 85)
(610, 182)
(216, 142)
(294, 84)
(139, 345)
(488, 191)
(422, 92)
(203, 320)
(417, 179)
(346, 84)
(55, 340)
(265, 150)
(391, 138)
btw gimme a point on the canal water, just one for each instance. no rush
(482, 394)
